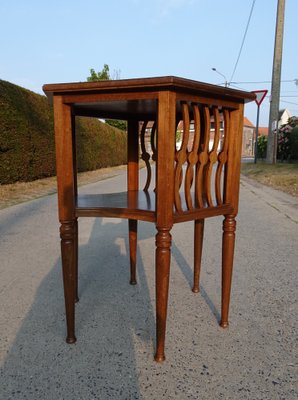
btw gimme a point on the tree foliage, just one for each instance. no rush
(287, 143)
(262, 146)
(103, 75)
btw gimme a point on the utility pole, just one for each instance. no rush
(275, 85)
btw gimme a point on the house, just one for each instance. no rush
(248, 140)
(283, 117)
(192, 131)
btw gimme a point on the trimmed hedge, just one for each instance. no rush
(27, 149)
(99, 145)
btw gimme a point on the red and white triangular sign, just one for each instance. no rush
(261, 94)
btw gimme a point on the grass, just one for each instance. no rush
(280, 176)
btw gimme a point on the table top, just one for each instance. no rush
(144, 84)
(81, 94)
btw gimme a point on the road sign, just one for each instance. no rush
(261, 94)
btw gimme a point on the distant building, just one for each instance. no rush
(283, 117)
(248, 140)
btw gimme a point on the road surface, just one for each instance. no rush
(255, 358)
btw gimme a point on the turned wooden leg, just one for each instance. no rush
(198, 246)
(133, 236)
(68, 241)
(76, 249)
(163, 259)
(228, 244)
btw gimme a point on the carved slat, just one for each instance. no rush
(200, 159)
(181, 157)
(203, 156)
(212, 157)
(145, 156)
(192, 156)
(222, 157)
(152, 141)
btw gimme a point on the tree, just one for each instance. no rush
(103, 75)
(262, 146)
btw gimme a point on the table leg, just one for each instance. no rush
(68, 252)
(198, 246)
(228, 245)
(76, 251)
(133, 236)
(163, 259)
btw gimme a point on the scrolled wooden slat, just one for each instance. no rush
(145, 156)
(212, 156)
(192, 157)
(152, 141)
(203, 157)
(222, 157)
(181, 157)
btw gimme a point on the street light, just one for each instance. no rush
(219, 73)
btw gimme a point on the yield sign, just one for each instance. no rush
(261, 94)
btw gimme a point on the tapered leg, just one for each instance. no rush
(228, 244)
(68, 241)
(198, 246)
(163, 259)
(76, 260)
(133, 236)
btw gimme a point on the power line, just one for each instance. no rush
(254, 82)
(289, 102)
(236, 86)
(243, 40)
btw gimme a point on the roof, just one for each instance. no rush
(263, 131)
(247, 122)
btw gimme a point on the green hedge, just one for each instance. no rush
(99, 145)
(27, 150)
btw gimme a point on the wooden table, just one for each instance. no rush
(193, 181)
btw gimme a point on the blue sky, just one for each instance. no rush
(60, 40)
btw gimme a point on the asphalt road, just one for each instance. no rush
(255, 358)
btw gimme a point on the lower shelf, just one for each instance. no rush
(138, 205)
(131, 205)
